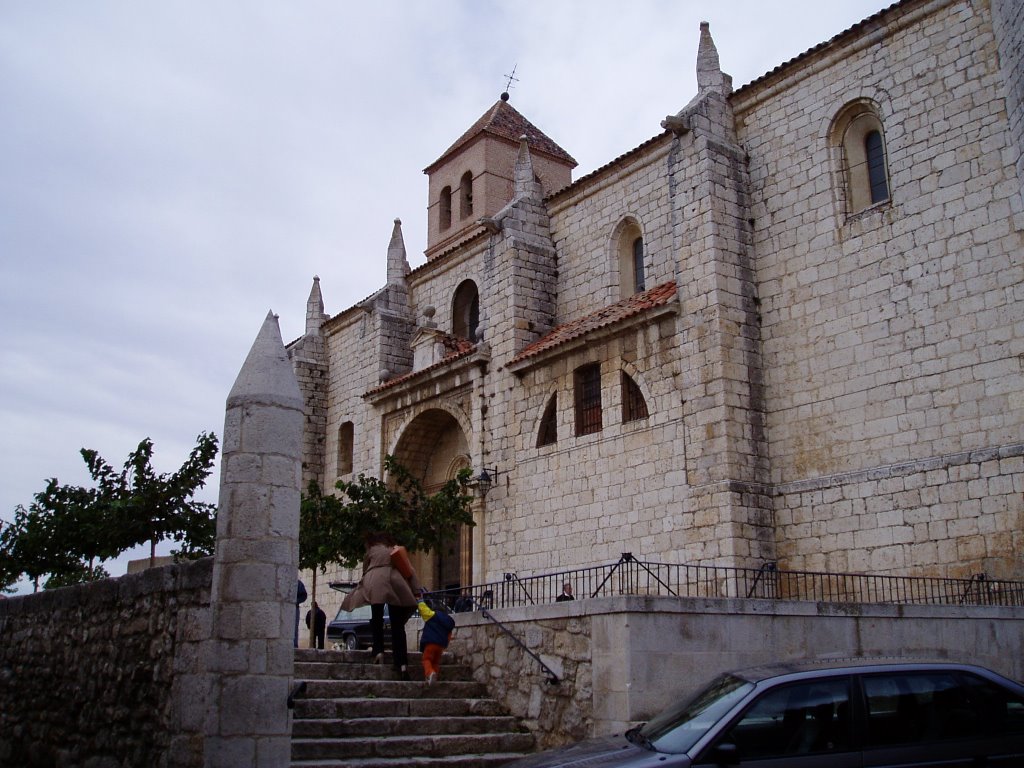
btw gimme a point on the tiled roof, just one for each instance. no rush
(456, 348)
(607, 316)
(505, 121)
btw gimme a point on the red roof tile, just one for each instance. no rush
(607, 316)
(456, 347)
(504, 121)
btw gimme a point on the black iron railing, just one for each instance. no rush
(630, 576)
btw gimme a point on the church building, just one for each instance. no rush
(787, 328)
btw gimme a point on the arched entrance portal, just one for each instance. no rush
(434, 448)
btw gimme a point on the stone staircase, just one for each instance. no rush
(356, 714)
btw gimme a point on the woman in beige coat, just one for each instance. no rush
(380, 585)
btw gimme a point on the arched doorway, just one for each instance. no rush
(434, 447)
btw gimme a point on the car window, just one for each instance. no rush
(678, 728)
(937, 706)
(993, 709)
(362, 613)
(806, 718)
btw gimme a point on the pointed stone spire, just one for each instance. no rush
(267, 371)
(249, 657)
(525, 178)
(398, 265)
(315, 308)
(709, 71)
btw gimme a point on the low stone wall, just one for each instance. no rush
(623, 659)
(97, 675)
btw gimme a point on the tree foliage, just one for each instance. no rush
(332, 528)
(68, 530)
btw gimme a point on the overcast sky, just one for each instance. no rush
(171, 171)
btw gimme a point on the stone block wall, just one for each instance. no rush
(621, 660)
(584, 218)
(103, 674)
(917, 517)
(889, 335)
(892, 336)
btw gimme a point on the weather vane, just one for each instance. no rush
(511, 79)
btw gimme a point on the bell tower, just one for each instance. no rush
(475, 177)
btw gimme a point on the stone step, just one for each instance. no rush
(443, 745)
(328, 670)
(355, 714)
(337, 709)
(454, 761)
(403, 726)
(417, 689)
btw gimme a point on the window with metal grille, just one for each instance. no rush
(548, 432)
(633, 404)
(587, 385)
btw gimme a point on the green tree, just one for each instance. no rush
(68, 528)
(332, 528)
(401, 507)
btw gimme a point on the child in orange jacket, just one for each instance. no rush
(437, 631)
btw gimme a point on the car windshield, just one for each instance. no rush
(679, 727)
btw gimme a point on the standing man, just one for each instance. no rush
(319, 619)
(566, 593)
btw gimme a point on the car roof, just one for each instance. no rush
(797, 669)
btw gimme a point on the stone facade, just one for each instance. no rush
(829, 371)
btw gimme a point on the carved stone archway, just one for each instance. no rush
(434, 447)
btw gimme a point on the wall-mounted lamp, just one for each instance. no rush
(486, 479)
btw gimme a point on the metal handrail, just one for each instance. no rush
(552, 677)
(629, 576)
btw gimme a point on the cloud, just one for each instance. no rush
(172, 171)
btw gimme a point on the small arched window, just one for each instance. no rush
(638, 264)
(859, 139)
(346, 443)
(875, 152)
(628, 243)
(466, 195)
(548, 432)
(634, 406)
(445, 208)
(466, 311)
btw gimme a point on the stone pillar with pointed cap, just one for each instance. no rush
(250, 657)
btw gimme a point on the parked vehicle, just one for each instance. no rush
(351, 629)
(850, 714)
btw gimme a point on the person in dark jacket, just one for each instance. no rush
(437, 632)
(320, 624)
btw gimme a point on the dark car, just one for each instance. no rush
(351, 629)
(852, 714)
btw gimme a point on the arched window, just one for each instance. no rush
(587, 392)
(638, 264)
(859, 139)
(445, 208)
(634, 407)
(628, 242)
(346, 442)
(466, 311)
(466, 195)
(875, 152)
(548, 432)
